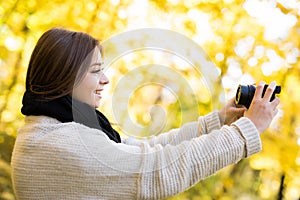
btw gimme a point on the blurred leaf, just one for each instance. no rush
(234, 39)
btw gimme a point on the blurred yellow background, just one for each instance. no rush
(248, 41)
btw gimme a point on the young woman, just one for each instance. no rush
(68, 150)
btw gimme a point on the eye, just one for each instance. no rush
(98, 70)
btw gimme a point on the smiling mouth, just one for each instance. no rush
(98, 92)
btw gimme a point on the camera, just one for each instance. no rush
(245, 94)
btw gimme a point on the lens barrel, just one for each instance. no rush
(245, 94)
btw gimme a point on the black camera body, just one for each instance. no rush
(245, 94)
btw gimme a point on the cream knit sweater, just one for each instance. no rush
(54, 160)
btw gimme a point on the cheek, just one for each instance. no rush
(93, 83)
(89, 83)
(86, 88)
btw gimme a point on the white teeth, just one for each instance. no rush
(97, 91)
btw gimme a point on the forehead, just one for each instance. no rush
(97, 57)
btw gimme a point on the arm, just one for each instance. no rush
(159, 172)
(214, 120)
(205, 125)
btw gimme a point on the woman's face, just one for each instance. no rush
(89, 89)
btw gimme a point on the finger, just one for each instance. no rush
(238, 111)
(259, 90)
(241, 109)
(233, 100)
(275, 112)
(275, 102)
(269, 91)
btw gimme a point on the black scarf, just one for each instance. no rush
(67, 109)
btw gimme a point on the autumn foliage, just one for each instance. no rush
(247, 41)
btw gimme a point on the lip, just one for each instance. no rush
(98, 96)
(98, 93)
(98, 90)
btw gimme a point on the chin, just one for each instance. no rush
(96, 105)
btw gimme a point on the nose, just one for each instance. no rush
(103, 79)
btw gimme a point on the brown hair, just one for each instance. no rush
(58, 62)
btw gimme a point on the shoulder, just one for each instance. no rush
(43, 136)
(45, 128)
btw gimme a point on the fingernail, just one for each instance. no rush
(262, 83)
(273, 85)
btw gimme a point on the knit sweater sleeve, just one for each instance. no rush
(72, 161)
(163, 171)
(204, 125)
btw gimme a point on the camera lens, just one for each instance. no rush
(245, 94)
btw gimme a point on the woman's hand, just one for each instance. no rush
(231, 112)
(261, 111)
